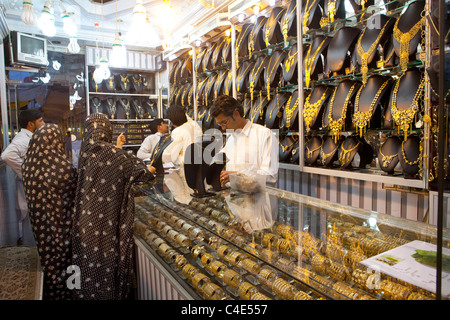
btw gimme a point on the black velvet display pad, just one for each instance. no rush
(339, 49)
(273, 113)
(272, 28)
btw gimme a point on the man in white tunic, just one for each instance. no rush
(249, 145)
(159, 129)
(13, 156)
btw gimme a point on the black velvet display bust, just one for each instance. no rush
(272, 29)
(339, 48)
(388, 154)
(273, 113)
(329, 151)
(313, 146)
(411, 152)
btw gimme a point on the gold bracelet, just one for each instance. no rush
(206, 259)
(157, 242)
(180, 261)
(212, 291)
(337, 271)
(235, 258)
(199, 280)
(301, 295)
(246, 290)
(259, 296)
(197, 251)
(218, 268)
(189, 271)
(251, 266)
(394, 291)
(163, 248)
(183, 241)
(232, 278)
(283, 289)
(267, 276)
(223, 251)
(345, 290)
(197, 233)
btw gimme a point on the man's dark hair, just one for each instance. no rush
(29, 115)
(155, 123)
(176, 115)
(226, 105)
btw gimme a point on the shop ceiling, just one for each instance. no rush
(114, 15)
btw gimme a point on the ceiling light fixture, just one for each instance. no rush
(28, 15)
(141, 31)
(46, 21)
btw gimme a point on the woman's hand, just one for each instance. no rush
(120, 141)
(225, 176)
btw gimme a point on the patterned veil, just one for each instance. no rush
(49, 184)
(104, 213)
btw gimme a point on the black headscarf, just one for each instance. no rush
(49, 183)
(104, 213)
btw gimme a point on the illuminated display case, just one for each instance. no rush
(280, 245)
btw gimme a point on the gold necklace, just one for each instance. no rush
(200, 116)
(253, 78)
(361, 119)
(242, 75)
(310, 109)
(404, 118)
(345, 153)
(125, 81)
(309, 61)
(227, 82)
(285, 23)
(251, 42)
(275, 104)
(311, 152)
(254, 111)
(241, 38)
(96, 105)
(337, 125)
(137, 82)
(290, 61)
(269, 75)
(269, 28)
(285, 147)
(158, 148)
(112, 108)
(411, 163)
(290, 111)
(404, 39)
(218, 82)
(306, 14)
(386, 160)
(126, 107)
(331, 10)
(365, 55)
(324, 156)
(111, 81)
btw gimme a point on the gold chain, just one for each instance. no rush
(268, 29)
(306, 14)
(125, 80)
(253, 78)
(238, 45)
(404, 38)
(365, 55)
(404, 118)
(254, 111)
(310, 152)
(126, 107)
(331, 10)
(97, 105)
(284, 148)
(411, 163)
(309, 61)
(345, 154)
(138, 81)
(386, 160)
(285, 23)
(337, 125)
(290, 111)
(310, 109)
(251, 42)
(112, 108)
(158, 148)
(269, 75)
(325, 156)
(361, 119)
(290, 61)
(239, 78)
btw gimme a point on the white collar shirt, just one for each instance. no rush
(254, 146)
(148, 145)
(15, 152)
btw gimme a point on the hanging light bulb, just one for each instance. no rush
(46, 21)
(241, 17)
(70, 28)
(28, 15)
(104, 69)
(141, 31)
(73, 46)
(119, 52)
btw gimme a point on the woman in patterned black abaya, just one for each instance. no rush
(50, 183)
(102, 232)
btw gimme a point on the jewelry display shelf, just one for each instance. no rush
(280, 245)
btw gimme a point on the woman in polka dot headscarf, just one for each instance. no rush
(104, 211)
(49, 184)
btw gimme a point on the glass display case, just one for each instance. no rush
(281, 245)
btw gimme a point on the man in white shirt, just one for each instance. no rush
(186, 131)
(159, 128)
(249, 145)
(13, 156)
